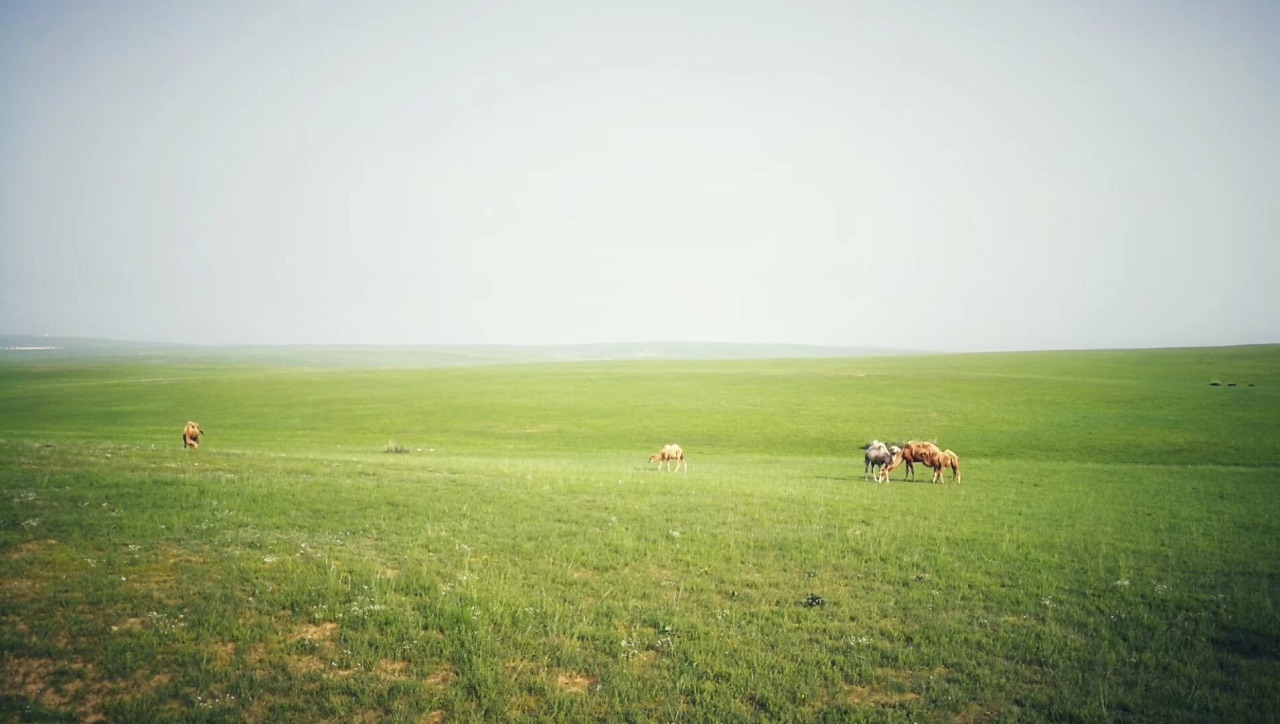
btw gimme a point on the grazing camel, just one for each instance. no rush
(949, 460)
(876, 457)
(668, 454)
(925, 453)
(191, 435)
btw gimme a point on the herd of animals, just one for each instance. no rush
(881, 458)
(884, 459)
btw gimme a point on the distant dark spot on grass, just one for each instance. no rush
(813, 600)
(392, 447)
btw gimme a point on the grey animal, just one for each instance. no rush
(876, 457)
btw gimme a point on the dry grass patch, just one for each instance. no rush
(304, 664)
(392, 670)
(257, 656)
(32, 679)
(315, 632)
(359, 717)
(224, 653)
(164, 585)
(173, 554)
(443, 677)
(31, 548)
(974, 714)
(515, 668)
(20, 589)
(574, 683)
(644, 659)
(129, 624)
(871, 696)
(522, 706)
(29, 678)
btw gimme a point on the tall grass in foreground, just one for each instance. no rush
(1112, 554)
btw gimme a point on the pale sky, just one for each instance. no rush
(952, 176)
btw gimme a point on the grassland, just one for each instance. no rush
(1113, 553)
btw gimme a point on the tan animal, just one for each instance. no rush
(668, 454)
(925, 453)
(191, 435)
(950, 460)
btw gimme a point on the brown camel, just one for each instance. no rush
(925, 453)
(950, 460)
(191, 435)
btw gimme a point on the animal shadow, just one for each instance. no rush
(1249, 644)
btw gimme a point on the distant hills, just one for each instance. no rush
(17, 348)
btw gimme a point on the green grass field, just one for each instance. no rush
(1113, 553)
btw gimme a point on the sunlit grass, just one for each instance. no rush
(523, 559)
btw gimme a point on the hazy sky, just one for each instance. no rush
(932, 175)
